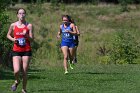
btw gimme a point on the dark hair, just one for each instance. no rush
(22, 9)
(67, 16)
(72, 20)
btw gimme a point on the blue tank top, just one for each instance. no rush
(67, 37)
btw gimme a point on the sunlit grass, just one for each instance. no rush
(83, 79)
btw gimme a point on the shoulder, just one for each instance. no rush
(61, 25)
(72, 25)
(76, 27)
(13, 25)
(29, 25)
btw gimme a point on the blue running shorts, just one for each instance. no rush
(68, 44)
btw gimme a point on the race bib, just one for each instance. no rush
(74, 37)
(66, 35)
(21, 41)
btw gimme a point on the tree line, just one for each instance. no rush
(80, 1)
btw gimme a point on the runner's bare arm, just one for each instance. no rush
(74, 30)
(78, 32)
(31, 35)
(9, 34)
(59, 32)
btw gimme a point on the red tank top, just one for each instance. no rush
(19, 33)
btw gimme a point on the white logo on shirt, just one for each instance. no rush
(21, 33)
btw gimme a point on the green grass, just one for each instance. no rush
(83, 79)
(98, 25)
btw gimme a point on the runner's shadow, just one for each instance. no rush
(34, 74)
(48, 90)
(102, 73)
(6, 75)
(94, 73)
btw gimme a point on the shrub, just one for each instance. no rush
(125, 48)
(124, 4)
(103, 53)
(5, 44)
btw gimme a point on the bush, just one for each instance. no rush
(103, 53)
(125, 48)
(124, 4)
(104, 59)
(4, 4)
(5, 44)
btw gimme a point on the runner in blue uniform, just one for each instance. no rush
(67, 30)
(76, 41)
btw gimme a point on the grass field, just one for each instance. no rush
(83, 79)
(98, 25)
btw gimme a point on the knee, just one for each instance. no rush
(65, 57)
(16, 72)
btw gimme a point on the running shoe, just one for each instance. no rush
(75, 60)
(68, 61)
(14, 86)
(24, 91)
(71, 66)
(66, 72)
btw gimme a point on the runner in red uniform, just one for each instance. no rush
(21, 34)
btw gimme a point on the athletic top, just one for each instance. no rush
(75, 38)
(23, 44)
(66, 36)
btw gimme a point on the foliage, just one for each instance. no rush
(54, 2)
(4, 42)
(125, 47)
(124, 4)
(4, 4)
(78, 1)
(36, 8)
(103, 54)
(104, 59)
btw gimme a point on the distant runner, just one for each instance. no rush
(67, 29)
(76, 40)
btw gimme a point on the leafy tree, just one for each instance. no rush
(5, 44)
